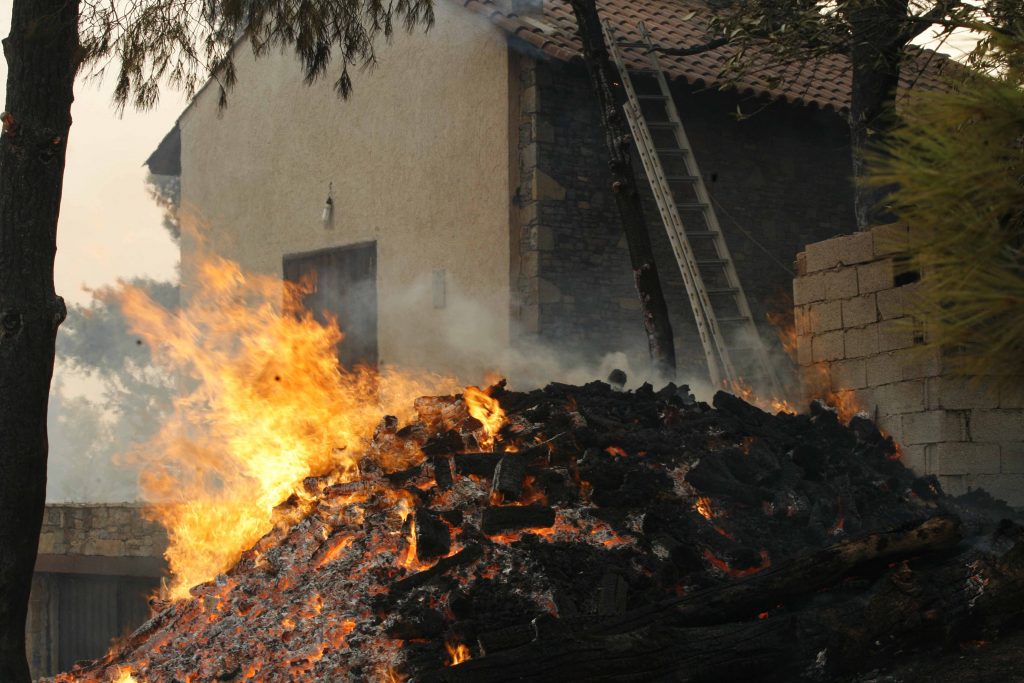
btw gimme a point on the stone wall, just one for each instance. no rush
(856, 339)
(96, 565)
(784, 168)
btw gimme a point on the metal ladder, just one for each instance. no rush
(733, 348)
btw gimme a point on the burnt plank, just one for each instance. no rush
(432, 536)
(508, 476)
(497, 519)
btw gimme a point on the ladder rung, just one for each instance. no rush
(712, 262)
(691, 205)
(661, 124)
(733, 319)
(701, 234)
(642, 71)
(722, 290)
(671, 150)
(682, 178)
(651, 97)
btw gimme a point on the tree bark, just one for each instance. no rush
(624, 188)
(42, 56)
(878, 40)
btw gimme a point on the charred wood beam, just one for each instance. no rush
(502, 518)
(432, 536)
(479, 464)
(508, 477)
(467, 555)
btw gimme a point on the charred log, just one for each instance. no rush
(504, 518)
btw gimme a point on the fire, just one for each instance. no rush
(485, 409)
(457, 653)
(123, 675)
(615, 450)
(723, 566)
(703, 506)
(265, 405)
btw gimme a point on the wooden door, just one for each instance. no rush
(346, 288)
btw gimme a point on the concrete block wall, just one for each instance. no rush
(858, 344)
(100, 530)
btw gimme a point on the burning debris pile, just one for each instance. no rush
(584, 534)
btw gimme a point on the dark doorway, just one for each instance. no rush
(346, 288)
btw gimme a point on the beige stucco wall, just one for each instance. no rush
(419, 161)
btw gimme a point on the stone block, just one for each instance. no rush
(802, 320)
(826, 316)
(902, 397)
(964, 457)
(891, 425)
(105, 547)
(828, 346)
(874, 277)
(997, 425)
(890, 303)
(809, 289)
(860, 311)
(895, 334)
(52, 542)
(546, 187)
(848, 374)
(845, 250)
(890, 239)
(547, 292)
(800, 264)
(934, 426)
(840, 284)
(1011, 394)
(545, 238)
(918, 362)
(861, 341)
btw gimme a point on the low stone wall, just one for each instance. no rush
(856, 339)
(97, 563)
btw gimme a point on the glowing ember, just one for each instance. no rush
(123, 675)
(485, 409)
(457, 653)
(724, 566)
(268, 406)
(615, 450)
(703, 506)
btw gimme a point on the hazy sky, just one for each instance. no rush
(109, 227)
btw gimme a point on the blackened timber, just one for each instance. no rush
(442, 467)
(479, 464)
(509, 475)
(497, 519)
(612, 595)
(467, 555)
(432, 536)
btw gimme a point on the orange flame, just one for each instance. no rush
(267, 405)
(457, 653)
(485, 409)
(703, 506)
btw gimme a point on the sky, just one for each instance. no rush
(109, 227)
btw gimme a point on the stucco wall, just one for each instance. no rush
(782, 176)
(856, 337)
(419, 161)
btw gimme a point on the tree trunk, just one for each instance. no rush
(624, 187)
(41, 53)
(878, 29)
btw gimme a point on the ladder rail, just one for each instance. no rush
(715, 344)
(700, 189)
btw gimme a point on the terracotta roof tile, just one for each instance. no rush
(824, 83)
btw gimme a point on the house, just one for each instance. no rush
(472, 212)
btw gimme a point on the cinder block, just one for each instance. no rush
(814, 380)
(957, 393)
(890, 239)
(840, 284)
(804, 355)
(1008, 487)
(919, 361)
(875, 276)
(800, 264)
(895, 334)
(934, 426)
(884, 368)
(861, 341)
(891, 425)
(845, 250)
(902, 397)
(802, 320)
(964, 457)
(859, 311)
(826, 316)
(1011, 394)
(808, 289)
(1012, 457)
(914, 458)
(828, 346)
(997, 425)
(953, 485)
(890, 303)
(848, 374)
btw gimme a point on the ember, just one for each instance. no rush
(562, 558)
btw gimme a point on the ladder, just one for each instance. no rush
(732, 346)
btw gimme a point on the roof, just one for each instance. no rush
(823, 83)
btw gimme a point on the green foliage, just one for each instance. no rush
(958, 160)
(182, 42)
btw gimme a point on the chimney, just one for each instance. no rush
(527, 8)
